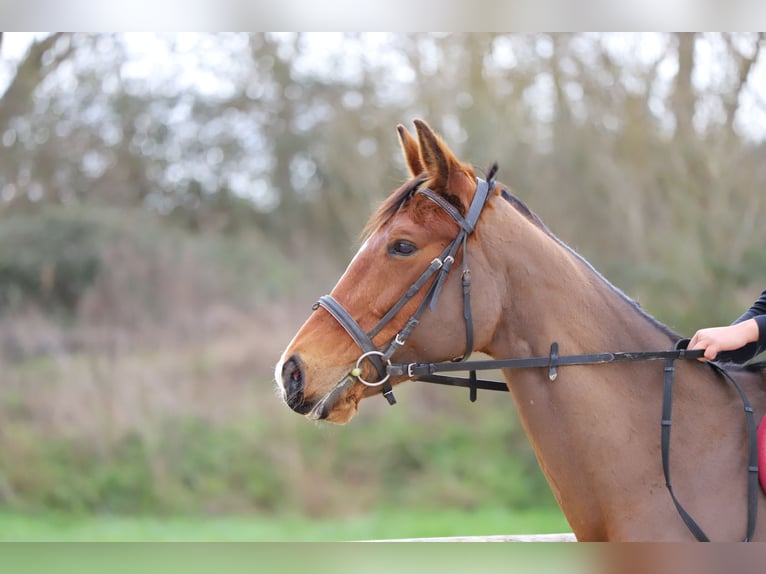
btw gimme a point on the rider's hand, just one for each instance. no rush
(716, 339)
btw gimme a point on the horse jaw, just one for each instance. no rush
(339, 405)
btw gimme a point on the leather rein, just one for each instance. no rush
(438, 270)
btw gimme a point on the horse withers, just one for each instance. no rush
(452, 264)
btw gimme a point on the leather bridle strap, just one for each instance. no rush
(440, 267)
(752, 458)
(467, 225)
(380, 359)
(427, 372)
(417, 370)
(752, 465)
(667, 408)
(354, 330)
(435, 266)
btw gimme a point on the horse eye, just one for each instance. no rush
(402, 248)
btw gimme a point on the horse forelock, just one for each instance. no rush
(401, 198)
(390, 206)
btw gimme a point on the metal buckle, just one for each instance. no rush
(381, 381)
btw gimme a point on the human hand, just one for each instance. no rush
(716, 339)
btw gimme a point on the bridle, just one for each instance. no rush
(439, 270)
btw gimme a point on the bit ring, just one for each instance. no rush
(359, 362)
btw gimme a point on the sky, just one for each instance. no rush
(196, 63)
(197, 60)
(393, 15)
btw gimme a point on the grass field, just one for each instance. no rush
(382, 525)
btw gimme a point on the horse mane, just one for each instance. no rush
(528, 214)
(522, 208)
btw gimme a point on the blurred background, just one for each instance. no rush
(172, 204)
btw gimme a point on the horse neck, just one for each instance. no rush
(554, 295)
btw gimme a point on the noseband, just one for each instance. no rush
(440, 268)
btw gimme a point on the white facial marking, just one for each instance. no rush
(361, 249)
(278, 368)
(278, 375)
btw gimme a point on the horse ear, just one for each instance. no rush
(435, 154)
(411, 151)
(441, 165)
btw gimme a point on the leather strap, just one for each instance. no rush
(752, 457)
(426, 372)
(666, 422)
(419, 369)
(346, 321)
(440, 267)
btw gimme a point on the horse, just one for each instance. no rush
(594, 428)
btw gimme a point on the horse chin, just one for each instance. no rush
(339, 405)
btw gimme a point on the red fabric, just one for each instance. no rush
(762, 453)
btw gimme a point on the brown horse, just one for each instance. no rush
(596, 429)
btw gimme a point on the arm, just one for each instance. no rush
(757, 310)
(738, 342)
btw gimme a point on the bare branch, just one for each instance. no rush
(683, 99)
(744, 66)
(31, 71)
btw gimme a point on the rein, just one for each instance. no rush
(428, 372)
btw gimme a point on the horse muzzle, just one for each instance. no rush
(293, 384)
(333, 405)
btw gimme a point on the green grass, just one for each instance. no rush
(375, 526)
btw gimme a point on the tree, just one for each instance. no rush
(42, 58)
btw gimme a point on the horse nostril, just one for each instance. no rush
(292, 381)
(292, 376)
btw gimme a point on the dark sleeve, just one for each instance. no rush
(758, 308)
(761, 320)
(743, 354)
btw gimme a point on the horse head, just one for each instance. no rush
(397, 299)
